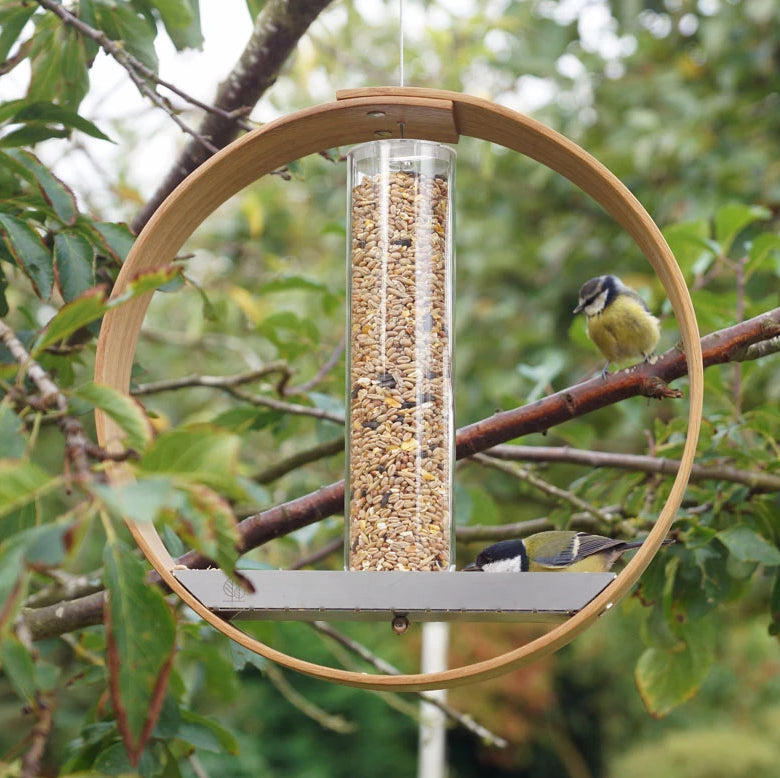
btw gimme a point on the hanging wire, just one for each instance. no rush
(401, 38)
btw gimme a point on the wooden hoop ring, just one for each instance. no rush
(431, 115)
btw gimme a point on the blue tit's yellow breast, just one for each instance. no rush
(624, 330)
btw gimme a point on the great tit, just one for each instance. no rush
(554, 552)
(619, 322)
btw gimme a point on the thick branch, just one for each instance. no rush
(727, 345)
(278, 28)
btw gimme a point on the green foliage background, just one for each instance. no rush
(680, 100)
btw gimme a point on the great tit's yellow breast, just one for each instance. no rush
(595, 563)
(624, 330)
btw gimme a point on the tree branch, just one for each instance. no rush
(278, 28)
(212, 381)
(756, 480)
(31, 764)
(300, 458)
(562, 495)
(77, 444)
(385, 667)
(719, 347)
(139, 73)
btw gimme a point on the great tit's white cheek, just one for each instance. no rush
(504, 566)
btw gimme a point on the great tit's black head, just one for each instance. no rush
(504, 556)
(597, 293)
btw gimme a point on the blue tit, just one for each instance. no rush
(619, 322)
(554, 552)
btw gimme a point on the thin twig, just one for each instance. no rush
(196, 766)
(763, 349)
(277, 30)
(757, 480)
(545, 487)
(327, 366)
(76, 441)
(137, 70)
(326, 720)
(31, 763)
(65, 587)
(473, 533)
(284, 407)
(337, 544)
(385, 667)
(300, 458)
(211, 381)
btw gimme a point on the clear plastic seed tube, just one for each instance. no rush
(400, 439)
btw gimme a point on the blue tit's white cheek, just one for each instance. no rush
(597, 306)
(512, 565)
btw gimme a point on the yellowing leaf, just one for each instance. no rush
(141, 639)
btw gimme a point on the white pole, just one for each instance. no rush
(432, 761)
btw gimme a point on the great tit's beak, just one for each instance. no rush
(579, 308)
(471, 567)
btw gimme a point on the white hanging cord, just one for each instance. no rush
(401, 38)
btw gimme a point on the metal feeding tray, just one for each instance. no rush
(308, 595)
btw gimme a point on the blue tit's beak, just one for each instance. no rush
(471, 567)
(579, 308)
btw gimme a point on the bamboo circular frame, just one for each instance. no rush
(357, 116)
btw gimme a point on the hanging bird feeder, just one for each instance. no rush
(399, 535)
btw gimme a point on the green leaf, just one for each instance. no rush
(73, 264)
(762, 248)
(748, 546)
(39, 545)
(209, 526)
(204, 733)
(58, 62)
(91, 306)
(29, 252)
(126, 411)
(121, 23)
(31, 134)
(195, 454)
(182, 22)
(56, 193)
(12, 22)
(12, 440)
(54, 113)
(21, 482)
(140, 500)
(71, 317)
(18, 668)
(691, 246)
(116, 237)
(254, 7)
(140, 636)
(666, 679)
(731, 219)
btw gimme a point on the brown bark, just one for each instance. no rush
(278, 28)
